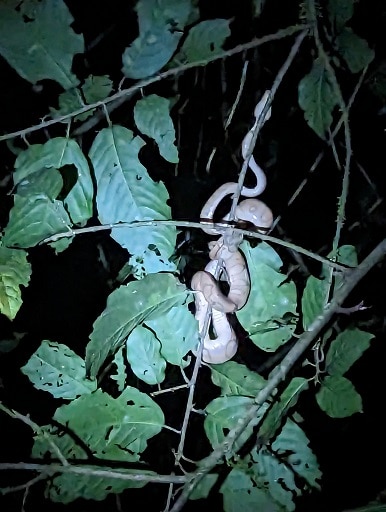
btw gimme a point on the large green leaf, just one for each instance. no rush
(126, 193)
(280, 408)
(66, 487)
(270, 311)
(236, 379)
(347, 348)
(34, 218)
(160, 28)
(57, 369)
(143, 352)
(37, 40)
(152, 117)
(113, 428)
(317, 98)
(177, 331)
(354, 50)
(314, 300)
(292, 447)
(275, 477)
(240, 493)
(203, 41)
(338, 397)
(126, 308)
(223, 413)
(15, 271)
(58, 153)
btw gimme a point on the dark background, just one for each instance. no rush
(68, 291)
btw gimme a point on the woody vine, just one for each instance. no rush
(88, 176)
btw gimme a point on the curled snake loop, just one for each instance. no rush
(225, 251)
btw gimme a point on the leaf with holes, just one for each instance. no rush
(160, 30)
(37, 40)
(292, 447)
(126, 193)
(152, 117)
(57, 369)
(204, 40)
(236, 379)
(223, 413)
(65, 154)
(122, 426)
(126, 308)
(239, 491)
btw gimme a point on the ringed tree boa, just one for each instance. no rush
(224, 252)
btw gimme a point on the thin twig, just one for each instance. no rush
(318, 159)
(37, 429)
(161, 76)
(239, 92)
(280, 373)
(50, 469)
(345, 119)
(261, 119)
(188, 224)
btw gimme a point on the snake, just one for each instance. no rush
(207, 293)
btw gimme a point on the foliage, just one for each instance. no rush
(62, 188)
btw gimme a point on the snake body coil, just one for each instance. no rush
(207, 291)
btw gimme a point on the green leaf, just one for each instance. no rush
(126, 193)
(275, 477)
(317, 98)
(236, 379)
(121, 427)
(355, 50)
(223, 413)
(126, 308)
(338, 398)
(347, 348)
(34, 218)
(58, 153)
(204, 40)
(292, 448)
(152, 117)
(271, 307)
(178, 333)
(314, 300)
(66, 487)
(204, 486)
(280, 408)
(37, 40)
(120, 376)
(95, 88)
(160, 28)
(57, 369)
(340, 12)
(143, 354)
(15, 271)
(240, 492)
